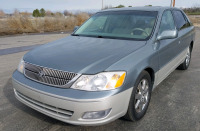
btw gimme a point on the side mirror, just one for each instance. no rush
(76, 27)
(168, 34)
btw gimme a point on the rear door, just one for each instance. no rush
(184, 30)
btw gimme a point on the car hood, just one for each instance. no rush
(85, 55)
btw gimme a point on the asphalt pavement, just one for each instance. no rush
(175, 103)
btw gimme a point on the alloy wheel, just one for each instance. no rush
(187, 60)
(142, 95)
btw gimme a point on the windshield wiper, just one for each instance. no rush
(96, 36)
(99, 36)
(74, 34)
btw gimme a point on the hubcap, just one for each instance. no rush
(142, 95)
(187, 60)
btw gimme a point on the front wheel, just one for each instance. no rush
(140, 97)
(186, 63)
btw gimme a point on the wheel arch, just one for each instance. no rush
(191, 45)
(151, 73)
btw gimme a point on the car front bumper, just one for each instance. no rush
(68, 109)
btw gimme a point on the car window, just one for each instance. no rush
(97, 24)
(179, 19)
(187, 20)
(136, 25)
(167, 22)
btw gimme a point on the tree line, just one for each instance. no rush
(192, 11)
(42, 13)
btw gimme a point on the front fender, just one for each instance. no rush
(135, 63)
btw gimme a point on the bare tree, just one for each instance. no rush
(49, 13)
(67, 13)
(2, 14)
(25, 14)
(107, 7)
(16, 12)
(58, 14)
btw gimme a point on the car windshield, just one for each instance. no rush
(136, 25)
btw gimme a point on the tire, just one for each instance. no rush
(137, 108)
(186, 63)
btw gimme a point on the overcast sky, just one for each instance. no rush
(59, 5)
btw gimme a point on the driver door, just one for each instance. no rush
(167, 50)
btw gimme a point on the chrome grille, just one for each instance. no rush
(48, 76)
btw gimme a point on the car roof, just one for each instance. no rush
(142, 8)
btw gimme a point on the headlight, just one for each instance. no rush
(101, 81)
(21, 66)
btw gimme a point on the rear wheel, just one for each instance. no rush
(140, 97)
(186, 63)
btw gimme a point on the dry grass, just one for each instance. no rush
(195, 20)
(21, 24)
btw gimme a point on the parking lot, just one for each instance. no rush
(175, 103)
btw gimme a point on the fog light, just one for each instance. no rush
(96, 114)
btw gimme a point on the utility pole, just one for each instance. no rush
(174, 3)
(171, 4)
(102, 5)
